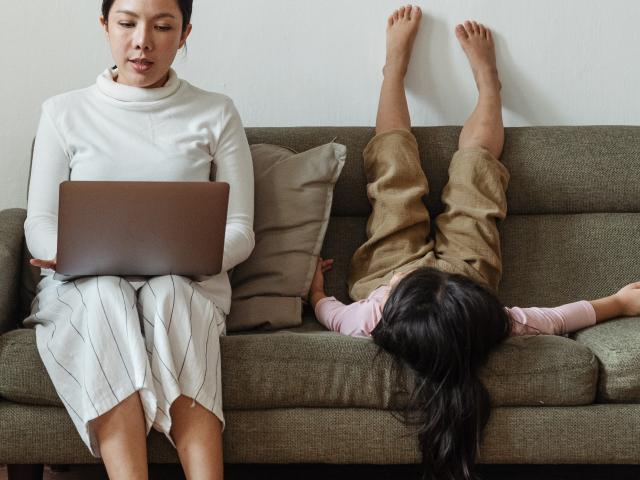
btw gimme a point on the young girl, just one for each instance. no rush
(430, 303)
(127, 354)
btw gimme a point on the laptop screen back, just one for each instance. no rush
(141, 228)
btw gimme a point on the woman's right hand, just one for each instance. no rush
(50, 264)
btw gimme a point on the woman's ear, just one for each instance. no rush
(104, 24)
(185, 35)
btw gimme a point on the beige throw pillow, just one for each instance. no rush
(293, 196)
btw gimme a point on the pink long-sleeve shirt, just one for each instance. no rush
(360, 318)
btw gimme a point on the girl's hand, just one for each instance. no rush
(316, 291)
(51, 264)
(317, 284)
(629, 299)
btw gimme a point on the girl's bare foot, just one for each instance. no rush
(484, 126)
(402, 28)
(477, 42)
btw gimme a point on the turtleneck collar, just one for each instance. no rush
(125, 93)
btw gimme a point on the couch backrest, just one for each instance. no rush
(573, 228)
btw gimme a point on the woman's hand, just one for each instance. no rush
(629, 298)
(51, 264)
(316, 291)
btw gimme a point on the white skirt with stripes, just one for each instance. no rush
(104, 338)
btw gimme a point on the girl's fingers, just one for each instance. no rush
(327, 264)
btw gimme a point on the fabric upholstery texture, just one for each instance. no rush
(616, 344)
(554, 259)
(324, 369)
(592, 434)
(293, 196)
(11, 239)
(555, 170)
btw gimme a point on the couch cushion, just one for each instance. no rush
(308, 367)
(603, 434)
(293, 196)
(553, 169)
(553, 259)
(616, 344)
(11, 231)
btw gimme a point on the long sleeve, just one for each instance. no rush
(233, 163)
(50, 167)
(356, 319)
(552, 321)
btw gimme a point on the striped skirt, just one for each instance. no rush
(104, 338)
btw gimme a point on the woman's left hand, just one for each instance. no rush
(50, 264)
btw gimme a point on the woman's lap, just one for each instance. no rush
(98, 352)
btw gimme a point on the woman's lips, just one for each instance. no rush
(141, 65)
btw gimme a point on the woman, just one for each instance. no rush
(128, 354)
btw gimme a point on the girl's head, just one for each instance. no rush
(145, 36)
(443, 326)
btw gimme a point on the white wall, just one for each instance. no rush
(302, 62)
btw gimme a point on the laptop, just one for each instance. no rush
(141, 228)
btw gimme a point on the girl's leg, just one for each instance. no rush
(467, 236)
(484, 126)
(122, 437)
(393, 112)
(398, 227)
(197, 434)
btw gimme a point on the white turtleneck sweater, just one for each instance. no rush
(111, 131)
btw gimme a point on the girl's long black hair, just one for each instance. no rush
(443, 326)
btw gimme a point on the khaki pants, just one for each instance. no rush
(466, 235)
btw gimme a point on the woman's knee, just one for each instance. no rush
(171, 287)
(107, 297)
(166, 297)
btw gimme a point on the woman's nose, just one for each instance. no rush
(143, 39)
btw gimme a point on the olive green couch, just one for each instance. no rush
(309, 396)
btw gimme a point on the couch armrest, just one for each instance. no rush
(11, 240)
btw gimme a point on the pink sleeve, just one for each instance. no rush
(552, 321)
(357, 319)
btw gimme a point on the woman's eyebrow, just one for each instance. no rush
(155, 17)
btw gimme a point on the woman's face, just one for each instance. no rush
(144, 36)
